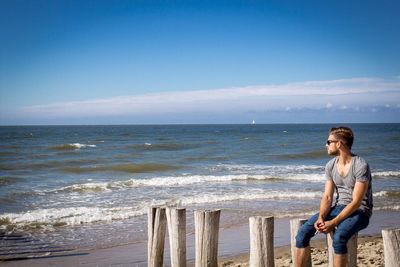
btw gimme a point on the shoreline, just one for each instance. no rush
(233, 247)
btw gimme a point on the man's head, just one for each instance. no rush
(339, 138)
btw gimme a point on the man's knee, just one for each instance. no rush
(339, 242)
(306, 232)
(302, 238)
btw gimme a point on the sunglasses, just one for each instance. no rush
(328, 142)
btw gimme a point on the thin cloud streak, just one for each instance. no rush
(357, 92)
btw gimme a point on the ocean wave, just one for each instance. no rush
(201, 158)
(163, 146)
(67, 216)
(6, 167)
(387, 174)
(178, 181)
(304, 155)
(392, 194)
(380, 194)
(6, 180)
(71, 216)
(49, 164)
(130, 168)
(74, 146)
(84, 188)
(395, 207)
(267, 168)
(248, 195)
(7, 153)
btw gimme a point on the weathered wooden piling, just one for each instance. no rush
(156, 227)
(391, 247)
(351, 250)
(206, 237)
(261, 241)
(176, 220)
(295, 224)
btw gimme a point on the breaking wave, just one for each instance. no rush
(387, 174)
(74, 146)
(67, 216)
(71, 216)
(130, 168)
(392, 194)
(396, 207)
(178, 181)
(268, 168)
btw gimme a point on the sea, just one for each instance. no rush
(88, 187)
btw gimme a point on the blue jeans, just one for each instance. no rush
(343, 232)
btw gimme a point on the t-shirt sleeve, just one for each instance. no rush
(362, 172)
(329, 169)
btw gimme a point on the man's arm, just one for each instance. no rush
(325, 204)
(360, 188)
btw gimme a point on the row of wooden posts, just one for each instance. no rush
(261, 239)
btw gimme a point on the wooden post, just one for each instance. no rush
(261, 241)
(295, 225)
(391, 247)
(176, 219)
(156, 227)
(351, 250)
(206, 237)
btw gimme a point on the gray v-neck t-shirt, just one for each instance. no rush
(359, 172)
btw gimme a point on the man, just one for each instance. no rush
(349, 175)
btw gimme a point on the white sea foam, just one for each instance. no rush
(306, 177)
(82, 215)
(86, 187)
(396, 207)
(380, 194)
(78, 145)
(72, 215)
(195, 179)
(267, 168)
(180, 181)
(248, 195)
(387, 174)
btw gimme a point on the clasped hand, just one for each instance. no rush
(324, 226)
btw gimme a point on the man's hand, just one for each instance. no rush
(318, 225)
(327, 227)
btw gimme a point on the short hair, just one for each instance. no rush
(344, 134)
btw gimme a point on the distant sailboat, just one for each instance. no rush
(253, 122)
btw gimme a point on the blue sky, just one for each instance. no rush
(111, 62)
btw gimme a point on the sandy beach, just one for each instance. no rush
(233, 248)
(369, 253)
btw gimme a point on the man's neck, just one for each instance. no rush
(345, 157)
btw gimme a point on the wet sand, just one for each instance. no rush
(233, 248)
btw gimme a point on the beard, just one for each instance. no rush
(333, 152)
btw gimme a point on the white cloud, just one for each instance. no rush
(359, 92)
